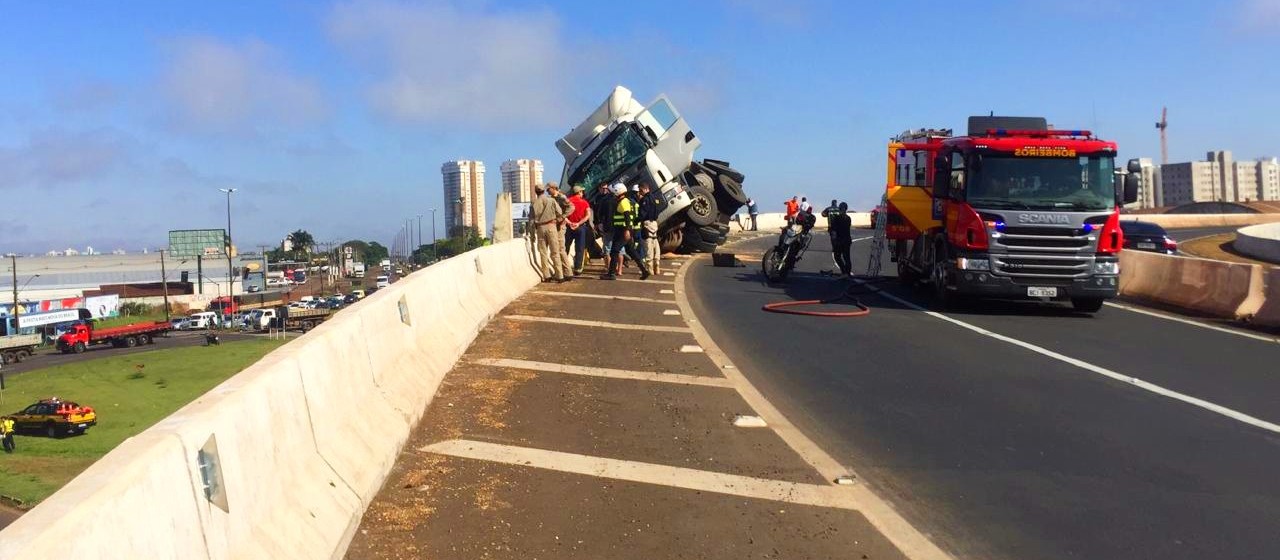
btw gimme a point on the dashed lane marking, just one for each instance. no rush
(1144, 385)
(581, 323)
(601, 296)
(675, 312)
(666, 292)
(678, 378)
(691, 349)
(646, 473)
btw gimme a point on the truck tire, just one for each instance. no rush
(695, 242)
(702, 206)
(21, 355)
(721, 167)
(8, 358)
(79, 348)
(1087, 305)
(144, 339)
(729, 194)
(130, 341)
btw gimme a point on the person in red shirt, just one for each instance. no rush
(577, 228)
(793, 207)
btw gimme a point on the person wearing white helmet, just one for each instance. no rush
(621, 224)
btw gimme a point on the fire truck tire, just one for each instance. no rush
(702, 206)
(906, 276)
(78, 348)
(1087, 305)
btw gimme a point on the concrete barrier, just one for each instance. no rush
(1215, 288)
(281, 460)
(775, 221)
(1202, 220)
(1261, 242)
(1268, 314)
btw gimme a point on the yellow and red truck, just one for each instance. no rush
(1014, 209)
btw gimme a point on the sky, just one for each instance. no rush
(120, 122)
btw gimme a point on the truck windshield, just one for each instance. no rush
(618, 154)
(1082, 183)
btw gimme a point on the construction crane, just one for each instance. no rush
(1164, 141)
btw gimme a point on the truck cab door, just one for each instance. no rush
(672, 141)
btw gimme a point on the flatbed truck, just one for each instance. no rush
(286, 318)
(82, 335)
(17, 348)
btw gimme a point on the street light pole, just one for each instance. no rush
(231, 278)
(419, 233)
(13, 262)
(433, 234)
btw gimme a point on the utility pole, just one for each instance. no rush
(419, 245)
(13, 261)
(164, 283)
(433, 234)
(231, 278)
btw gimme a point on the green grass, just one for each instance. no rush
(125, 320)
(130, 393)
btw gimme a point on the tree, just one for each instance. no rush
(374, 252)
(302, 241)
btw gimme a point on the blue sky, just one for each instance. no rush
(119, 124)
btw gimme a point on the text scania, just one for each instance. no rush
(1043, 219)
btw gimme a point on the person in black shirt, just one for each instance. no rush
(839, 225)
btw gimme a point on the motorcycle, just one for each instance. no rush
(794, 240)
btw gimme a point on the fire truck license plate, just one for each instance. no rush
(1042, 292)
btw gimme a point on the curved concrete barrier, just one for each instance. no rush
(1268, 314)
(1202, 220)
(1216, 288)
(281, 460)
(1261, 242)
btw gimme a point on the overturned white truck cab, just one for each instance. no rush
(625, 142)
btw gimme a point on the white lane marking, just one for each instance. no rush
(671, 312)
(749, 421)
(1147, 386)
(599, 296)
(668, 274)
(691, 349)
(909, 540)
(580, 323)
(1193, 322)
(645, 473)
(678, 378)
(666, 292)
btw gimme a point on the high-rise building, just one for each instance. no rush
(464, 201)
(1220, 179)
(1150, 193)
(519, 176)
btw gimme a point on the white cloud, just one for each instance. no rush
(213, 85)
(444, 63)
(55, 157)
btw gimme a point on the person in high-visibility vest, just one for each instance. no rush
(6, 434)
(621, 227)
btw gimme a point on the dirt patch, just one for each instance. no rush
(1217, 247)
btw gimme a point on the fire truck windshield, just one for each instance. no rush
(1082, 183)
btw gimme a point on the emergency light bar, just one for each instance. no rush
(1039, 133)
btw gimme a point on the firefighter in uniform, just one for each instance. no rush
(622, 224)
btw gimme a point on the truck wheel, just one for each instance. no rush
(721, 167)
(695, 242)
(1087, 305)
(702, 206)
(21, 355)
(8, 358)
(938, 276)
(729, 195)
(143, 339)
(906, 276)
(78, 348)
(130, 342)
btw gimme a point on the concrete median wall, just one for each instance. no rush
(1261, 242)
(295, 446)
(775, 221)
(1215, 288)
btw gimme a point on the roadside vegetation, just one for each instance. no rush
(129, 393)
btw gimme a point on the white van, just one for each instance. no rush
(383, 281)
(202, 320)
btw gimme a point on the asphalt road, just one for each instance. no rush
(51, 357)
(999, 451)
(1192, 233)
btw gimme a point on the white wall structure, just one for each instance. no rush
(519, 176)
(464, 202)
